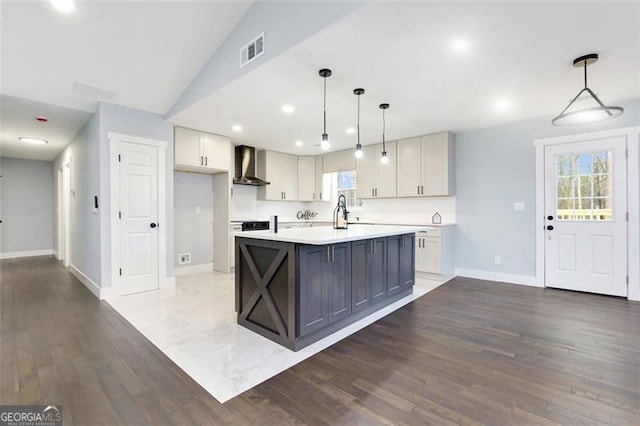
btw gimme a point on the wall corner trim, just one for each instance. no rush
(527, 280)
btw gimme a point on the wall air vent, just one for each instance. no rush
(252, 50)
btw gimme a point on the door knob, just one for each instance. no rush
(153, 225)
(550, 227)
(549, 217)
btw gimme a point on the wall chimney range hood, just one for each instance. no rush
(246, 167)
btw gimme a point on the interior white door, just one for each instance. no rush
(586, 216)
(139, 248)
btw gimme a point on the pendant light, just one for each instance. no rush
(325, 145)
(384, 159)
(587, 115)
(358, 92)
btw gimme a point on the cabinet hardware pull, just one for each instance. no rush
(333, 253)
(372, 192)
(201, 160)
(328, 254)
(206, 161)
(422, 189)
(418, 189)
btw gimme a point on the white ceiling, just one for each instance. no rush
(145, 52)
(17, 116)
(519, 54)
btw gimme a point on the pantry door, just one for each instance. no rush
(139, 226)
(586, 216)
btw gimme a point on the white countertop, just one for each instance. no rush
(327, 235)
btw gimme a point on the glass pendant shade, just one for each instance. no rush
(325, 145)
(595, 114)
(358, 151)
(384, 159)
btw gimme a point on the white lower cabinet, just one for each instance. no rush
(434, 252)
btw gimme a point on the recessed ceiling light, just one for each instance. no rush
(298, 143)
(460, 45)
(351, 130)
(288, 109)
(64, 6)
(502, 104)
(34, 141)
(236, 128)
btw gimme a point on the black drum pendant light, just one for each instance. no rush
(358, 92)
(588, 115)
(325, 145)
(384, 159)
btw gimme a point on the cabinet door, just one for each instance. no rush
(407, 261)
(377, 270)
(288, 175)
(432, 255)
(216, 151)
(187, 147)
(437, 164)
(313, 309)
(419, 253)
(306, 178)
(360, 275)
(393, 264)
(320, 192)
(366, 172)
(409, 167)
(400, 263)
(386, 173)
(338, 281)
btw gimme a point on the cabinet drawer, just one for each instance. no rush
(430, 232)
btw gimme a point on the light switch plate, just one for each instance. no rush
(197, 210)
(518, 206)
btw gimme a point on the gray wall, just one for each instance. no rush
(26, 200)
(83, 153)
(494, 168)
(132, 122)
(193, 231)
(285, 24)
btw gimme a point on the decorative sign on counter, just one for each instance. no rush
(436, 219)
(306, 214)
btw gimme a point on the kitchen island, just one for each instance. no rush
(300, 285)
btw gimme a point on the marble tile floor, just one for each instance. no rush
(194, 324)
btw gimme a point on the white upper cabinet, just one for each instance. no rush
(426, 166)
(376, 180)
(322, 182)
(282, 171)
(306, 178)
(201, 152)
(338, 161)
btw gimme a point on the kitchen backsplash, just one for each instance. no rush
(245, 206)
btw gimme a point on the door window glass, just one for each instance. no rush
(583, 186)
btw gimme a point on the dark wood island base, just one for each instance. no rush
(296, 294)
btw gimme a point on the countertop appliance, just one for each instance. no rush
(255, 225)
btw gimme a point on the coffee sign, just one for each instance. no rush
(306, 214)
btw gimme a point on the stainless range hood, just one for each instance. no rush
(246, 167)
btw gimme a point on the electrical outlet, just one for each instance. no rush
(184, 258)
(197, 210)
(518, 206)
(497, 260)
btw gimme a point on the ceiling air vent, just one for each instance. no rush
(252, 51)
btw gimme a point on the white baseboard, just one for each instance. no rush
(88, 283)
(100, 293)
(500, 277)
(193, 269)
(30, 253)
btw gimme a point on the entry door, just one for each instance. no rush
(586, 216)
(139, 218)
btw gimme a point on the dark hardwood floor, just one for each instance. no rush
(470, 352)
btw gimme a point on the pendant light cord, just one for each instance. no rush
(384, 148)
(358, 120)
(324, 105)
(585, 74)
